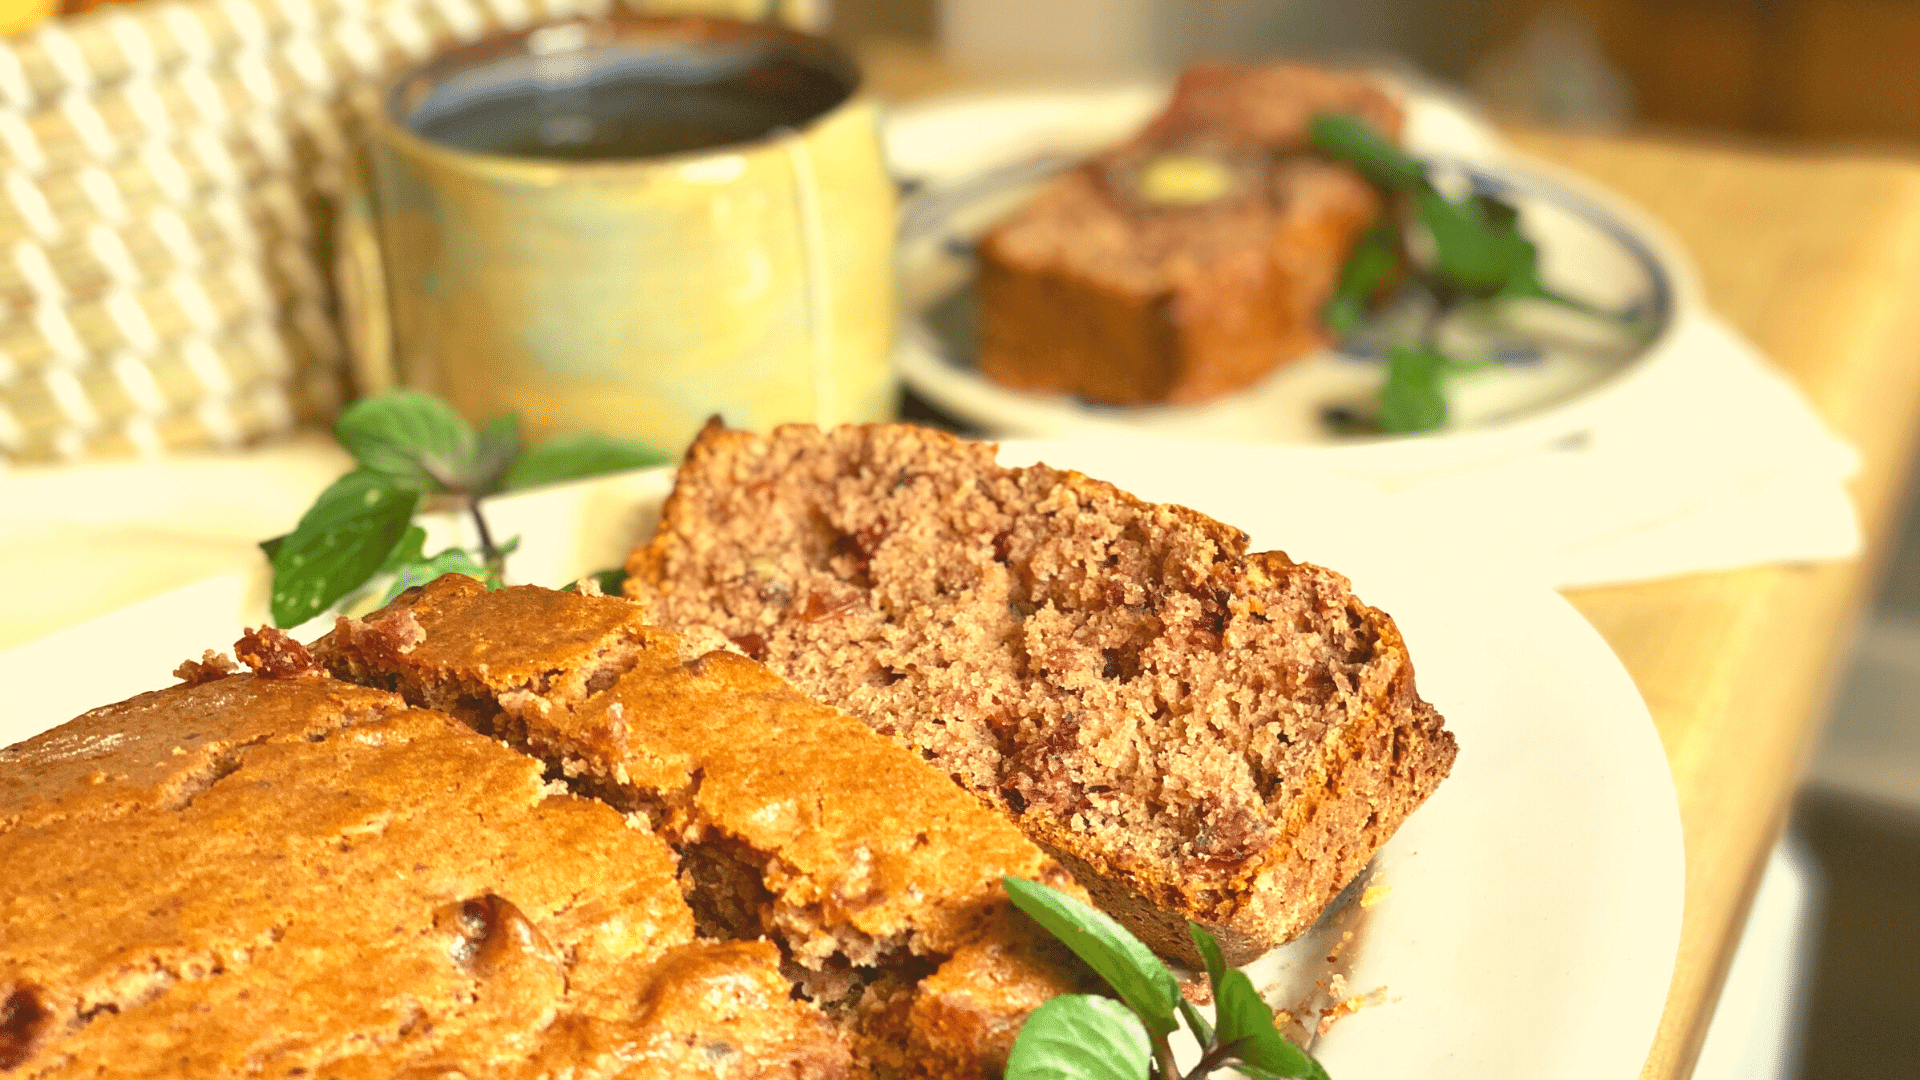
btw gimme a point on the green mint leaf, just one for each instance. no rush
(272, 547)
(1355, 142)
(450, 561)
(1476, 254)
(1526, 285)
(1128, 966)
(1080, 1037)
(408, 550)
(1246, 1023)
(1372, 267)
(340, 543)
(570, 457)
(611, 582)
(495, 447)
(1202, 1030)
(414, 439)
(1216, 967)
(1412, 399)
(1499, 213)
(1210, 952)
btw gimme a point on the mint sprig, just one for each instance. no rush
(1413, 398)
(1479, 255)
(410, 447)
(568, 457)
(1374, 264)
(1081, 1037)
(340, 543)
(1086, 1037)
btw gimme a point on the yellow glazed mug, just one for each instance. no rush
(629, 224)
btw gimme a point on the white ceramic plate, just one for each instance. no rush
(976, 158)
(1532, 907)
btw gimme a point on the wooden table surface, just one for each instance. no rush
(1816, 258)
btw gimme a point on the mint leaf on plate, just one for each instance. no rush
(1412, 400)
(1080, 1037)
(341, 542)
(1371, 267)
(1244, 1025)
(416, 440)
(612, 582)
(570, 457)
(1355, 142)
(1128, 966)
(1478, 252)
(1210, 952)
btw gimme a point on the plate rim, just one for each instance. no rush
(926, 373)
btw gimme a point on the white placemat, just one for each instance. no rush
(1704, 458)
(1713, 462)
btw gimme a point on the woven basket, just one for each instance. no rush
(170, 173)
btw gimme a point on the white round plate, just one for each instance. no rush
(973, 159)
(1531, 908)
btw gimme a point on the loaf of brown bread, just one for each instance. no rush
(1198, 732)
(1191, 260)
(879, 880)
(290, 876)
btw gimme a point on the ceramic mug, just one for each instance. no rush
(628, 224)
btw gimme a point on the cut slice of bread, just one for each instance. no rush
(1197, 732)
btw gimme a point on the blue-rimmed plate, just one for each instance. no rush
(972, 160)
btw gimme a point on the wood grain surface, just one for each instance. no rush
(1816, 258)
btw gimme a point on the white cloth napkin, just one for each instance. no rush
(1715, 461)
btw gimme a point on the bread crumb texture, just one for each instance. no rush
(1196, 731)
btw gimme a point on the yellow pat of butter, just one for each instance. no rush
(1184, 179)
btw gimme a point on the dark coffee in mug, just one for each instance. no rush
(617, 100)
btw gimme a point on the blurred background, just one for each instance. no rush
(1799, 71)
(1824, 71)
(1784, 76)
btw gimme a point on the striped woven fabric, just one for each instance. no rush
(167, 176)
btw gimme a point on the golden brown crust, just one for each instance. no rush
(792, 819)
(292, 876)
(1091, 290)
(121, 759)
(1195, 731)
